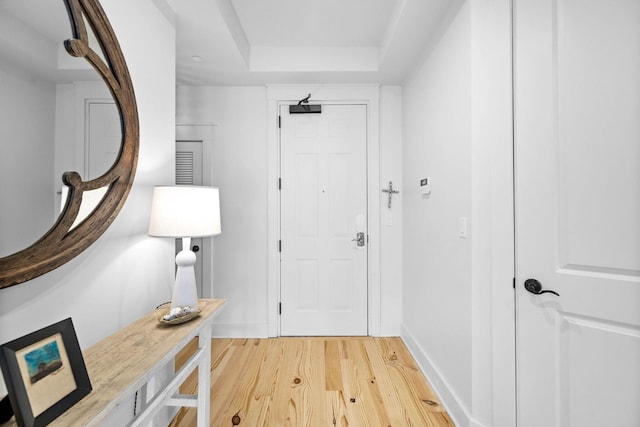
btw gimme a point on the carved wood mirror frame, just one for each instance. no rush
(64, 241)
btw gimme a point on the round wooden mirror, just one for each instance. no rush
(88, 206)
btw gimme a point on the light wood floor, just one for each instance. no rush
(325, 382)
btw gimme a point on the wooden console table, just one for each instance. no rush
(125, 362)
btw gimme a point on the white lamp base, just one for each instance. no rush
(185, 292)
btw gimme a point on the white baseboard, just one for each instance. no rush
(260, 330)
(458, 413)
(240, 330)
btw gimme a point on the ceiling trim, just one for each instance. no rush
(230, 17)
(313, 58)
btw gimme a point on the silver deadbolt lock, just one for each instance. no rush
(359, 239)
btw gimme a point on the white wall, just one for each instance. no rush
(391, 219)
(437, 263)
(458, 298)
(240, 168)
(125, 273)
(27, 120)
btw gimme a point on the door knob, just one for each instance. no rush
(359, 239)
(533, 286)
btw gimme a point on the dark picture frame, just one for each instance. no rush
(45, 373)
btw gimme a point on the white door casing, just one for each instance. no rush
(189, 171)
(104, 137)
(577, 163)
(323, 207)
(197, 139)
(368, 95)
(101, 146)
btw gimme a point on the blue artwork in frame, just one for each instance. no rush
(43, 361)
(45, 373)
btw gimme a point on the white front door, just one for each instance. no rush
(323, 208)
(577, 163)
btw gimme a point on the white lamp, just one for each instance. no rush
(186, 212)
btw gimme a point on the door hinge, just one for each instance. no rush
(279, 308)
(279, 245)
(514, 283)
(279, 183)
(279, 122)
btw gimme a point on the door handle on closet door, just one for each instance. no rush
(535, 287)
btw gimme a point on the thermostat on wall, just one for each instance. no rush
(425, 185)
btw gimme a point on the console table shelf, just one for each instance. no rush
(129, 361)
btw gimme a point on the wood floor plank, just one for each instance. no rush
(316, 382)
(377, 414)
(240, 405)
(440, 419)
(229, 374)
(332, 366)
(371, 396)
(283, 409)
(354, 401)
(412, 375)
(405, 388)
(395, 409)
(314, 369)
(336, 409)
(270, 365)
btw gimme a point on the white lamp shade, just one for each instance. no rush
(185, 211)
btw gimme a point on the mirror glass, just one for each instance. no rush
(56, 115)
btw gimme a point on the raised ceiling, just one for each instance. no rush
(254, 42)
(314, 23)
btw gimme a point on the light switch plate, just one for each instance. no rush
(425, 185)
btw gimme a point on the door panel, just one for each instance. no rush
(591, 394)
(341, 288)
(308, 287)
(307, 202)
(577, 145)
(598, 98)
(323, 272)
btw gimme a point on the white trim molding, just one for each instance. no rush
(235, 330)
(460, 415)
(368, 94)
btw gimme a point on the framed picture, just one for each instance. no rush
(44, 373)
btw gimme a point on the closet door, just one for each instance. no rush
(577, 164)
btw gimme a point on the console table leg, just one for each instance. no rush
(204, 378)
(151, 388)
